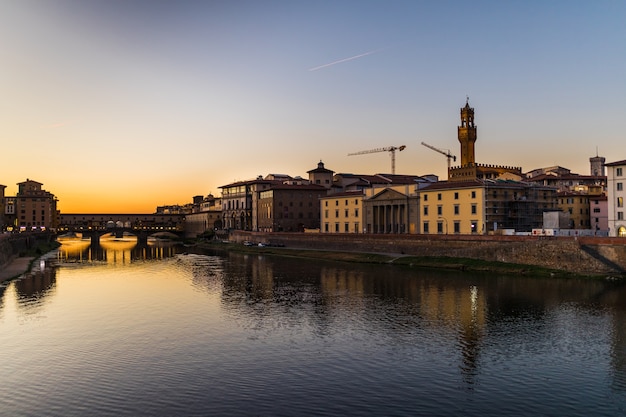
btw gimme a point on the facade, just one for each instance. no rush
(32, 209)
(616, 194)
(577, 205)
(484, 207)
(392, 210)
(206, 215)
(321, 176)
(342, 212)
(239, 208)
(599, 213)
(289, 207)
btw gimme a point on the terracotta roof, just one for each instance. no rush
(611, 164)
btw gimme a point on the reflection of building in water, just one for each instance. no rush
(33, 288)
(74, 249)
(456, 306)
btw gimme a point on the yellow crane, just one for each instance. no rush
(445, 153)
(392, 151)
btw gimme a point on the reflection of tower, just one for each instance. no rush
(597, 165)
(467, 135)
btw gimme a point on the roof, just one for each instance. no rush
(475, 183)
(357, 193)
(612, 164)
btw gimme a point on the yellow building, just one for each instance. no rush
(484, 206)
(342, 212)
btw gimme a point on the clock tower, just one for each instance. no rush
(467, 135)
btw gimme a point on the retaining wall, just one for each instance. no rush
(591, 255)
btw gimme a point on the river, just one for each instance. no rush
(122, 330)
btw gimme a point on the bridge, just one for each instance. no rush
(140, 225)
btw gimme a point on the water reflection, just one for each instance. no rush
(228, 333)
(113, 250)
(405, 306)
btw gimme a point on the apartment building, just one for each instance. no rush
(484, 206)
(616, 194)
(342, 212)
(32, 208)
(289, 207)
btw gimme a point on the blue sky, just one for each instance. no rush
(120, 106)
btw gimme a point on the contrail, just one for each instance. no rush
(344, 60)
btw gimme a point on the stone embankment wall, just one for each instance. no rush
(14, 245)
(588, 255)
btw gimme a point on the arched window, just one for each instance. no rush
(621, 232)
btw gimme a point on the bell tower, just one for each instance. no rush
(467, 135)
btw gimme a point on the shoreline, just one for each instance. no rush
(16, 268)
(405, 260)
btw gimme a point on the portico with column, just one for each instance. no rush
(390, 211)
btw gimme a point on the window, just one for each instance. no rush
(620, 201)
(439, 210)
(425, 210)
(619, 172)
(473, 194)
(336, 227)
(620, 215)
(474, 226)
(326, 203)
(345, 214)
(426, 227)
(473, 208)
(456, 209)
(347, 227)
(356, 228)
(346, 203)
(596, 210)
(439, 227)
(457, 227)
(425, 197)
(456, 195)
(356, 202)
(356, 212)
(336, 213)
(326, 227)
(619, 186)
(439, 196)
(336, 202)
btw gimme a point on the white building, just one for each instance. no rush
(616, 194)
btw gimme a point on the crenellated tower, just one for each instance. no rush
(467, 135)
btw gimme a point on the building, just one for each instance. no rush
(469, 170)
(393, 209)
(32, 208)
(599, 213)
(321, 176)
(616, 194)
(206, 216)
(342, 212)
(289, 207)
(576, 204)
(239, 203)
(484, 206)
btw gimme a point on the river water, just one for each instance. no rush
(129, 331)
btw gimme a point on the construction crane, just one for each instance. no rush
(392, 151)
(446, 153)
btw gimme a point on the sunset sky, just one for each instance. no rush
(119, 106)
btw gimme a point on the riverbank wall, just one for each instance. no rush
(585, 255)
(21, 244)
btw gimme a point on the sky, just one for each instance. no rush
(120, 106)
